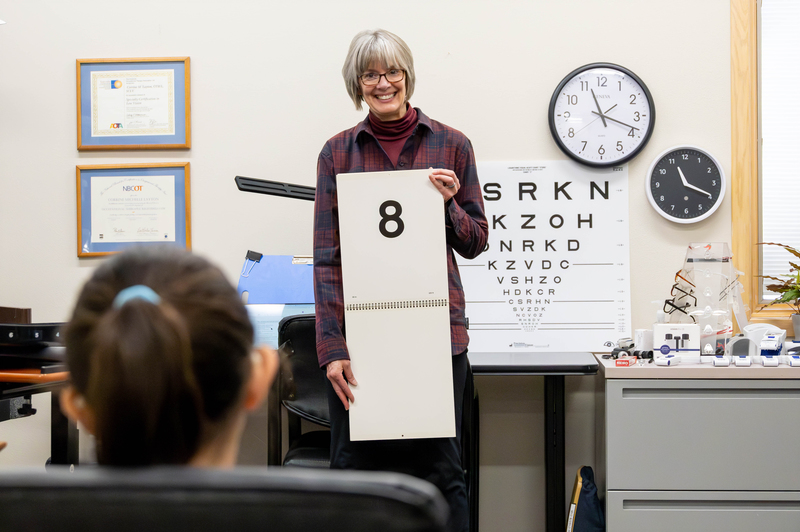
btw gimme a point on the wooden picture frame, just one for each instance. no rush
(133, 104)
(122, 205)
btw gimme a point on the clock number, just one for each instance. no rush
(584, 145)
(566, 115)
(636, 117)
(685, 157)
(601, 81)
(686, 210)
(572, 99)
(662, 171)
(619, 145)
(671, 161)
(699, 206)
(395, 217)
(672, 207)
(631, 133)
(633, 99)
(698, 160)
(571, 133)
(658, 184)
(620, 85)
(584, 85)
(601, 150)
(709, 170)
(713, 182)
(662, 198)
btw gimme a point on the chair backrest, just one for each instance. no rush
(198, 500)
(300, 387)
(303, 391)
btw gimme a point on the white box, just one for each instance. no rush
(676, 339)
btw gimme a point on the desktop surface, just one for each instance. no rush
(533, 363)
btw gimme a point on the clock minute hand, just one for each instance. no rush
(599, 111)
(617, 121)
(699, 190)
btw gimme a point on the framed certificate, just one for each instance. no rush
(132, 204)
(133, 104)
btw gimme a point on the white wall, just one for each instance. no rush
(267, 93)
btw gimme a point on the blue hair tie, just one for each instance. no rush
(138, 291)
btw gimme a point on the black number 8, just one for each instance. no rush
(398, 210)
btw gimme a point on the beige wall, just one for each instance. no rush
(267, 93)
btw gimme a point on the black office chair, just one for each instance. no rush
(301, 390)
(199, 500)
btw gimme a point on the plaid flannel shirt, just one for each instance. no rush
(431, 145)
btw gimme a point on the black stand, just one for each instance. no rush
(274, 188)
(63, 432)
(554, 367)
(63, 435)
(554, 458)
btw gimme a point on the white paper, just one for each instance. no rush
(556, 275)
(133, 103)
(397, 317)
(133, 209)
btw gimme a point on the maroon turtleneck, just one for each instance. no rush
(392, 134)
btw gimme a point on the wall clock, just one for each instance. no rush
(685, 184)
(601, 115)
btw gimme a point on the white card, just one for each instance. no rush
(397, 321)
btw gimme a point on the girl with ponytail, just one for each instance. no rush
(161, 359)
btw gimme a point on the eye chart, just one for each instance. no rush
(397, 319)
(556, 272)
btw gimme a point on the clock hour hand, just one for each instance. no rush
(599, 111)
(683, 178)
(687, 185)
(615, 120)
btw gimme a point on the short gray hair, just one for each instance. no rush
(376, 45)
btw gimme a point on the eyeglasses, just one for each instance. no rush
(683, 293)
(682, 278)
(373, 78)
(727, 289)
(670, 307)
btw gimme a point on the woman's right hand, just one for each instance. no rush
(340, 375)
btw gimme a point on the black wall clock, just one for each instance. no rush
(601, 115)
(685, 184)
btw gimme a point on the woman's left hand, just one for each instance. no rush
(445, 182)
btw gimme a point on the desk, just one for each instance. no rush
(554, 367)
(694, 447)
(21, 382)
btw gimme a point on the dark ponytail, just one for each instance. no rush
(159, 375)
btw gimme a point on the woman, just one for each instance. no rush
(161, 360)
(379, 70)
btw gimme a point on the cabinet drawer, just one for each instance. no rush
(702, 434)
(656, 511)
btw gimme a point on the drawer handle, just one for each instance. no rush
(710, 393)
(700, 505)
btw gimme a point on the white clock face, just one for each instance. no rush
(601, 116)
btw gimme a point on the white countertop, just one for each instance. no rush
(609, 370)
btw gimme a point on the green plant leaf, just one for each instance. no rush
(790, 249)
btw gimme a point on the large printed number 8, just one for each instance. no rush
(395, 217)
